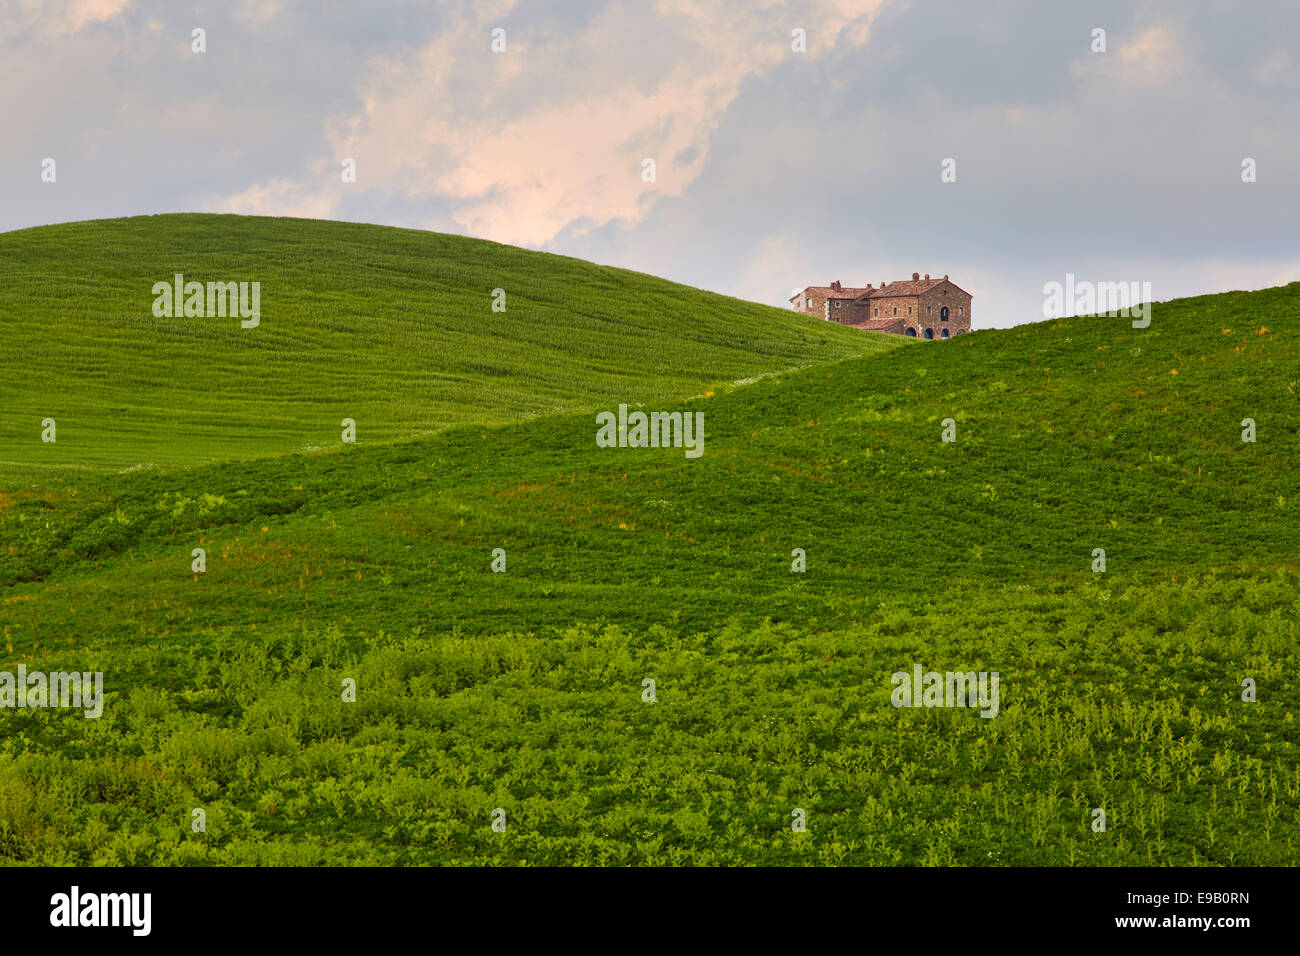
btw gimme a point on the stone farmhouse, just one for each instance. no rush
(921, 307)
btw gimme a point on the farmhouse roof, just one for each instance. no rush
(904, 287)
(913, 286)
(830, 292)
(881, 325)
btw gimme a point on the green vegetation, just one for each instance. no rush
(391, 327)
(523, 690)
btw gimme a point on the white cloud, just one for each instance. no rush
(1276, 69)
(1151, 57)
(83, 13)
(18, 18)
(1154, 54)
(551, 135)
(256, 13)
(277, 197)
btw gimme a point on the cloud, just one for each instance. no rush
(19, 18)
(551, 134)
(1151, 57)
(256, 13)
(277, 197)
(1154, 54)
(1276, 69)
(82, 13)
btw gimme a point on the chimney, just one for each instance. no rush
(915, 276)
(945, 275)
(835, 286)
(927, 275)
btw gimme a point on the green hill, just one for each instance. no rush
(393, 328)
(525, 690)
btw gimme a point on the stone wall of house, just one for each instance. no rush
(811, 302)
(931, 304)
(855, 314)
(840, 309)
(887, 304)
(917, 312)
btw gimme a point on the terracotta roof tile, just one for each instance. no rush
(904, 287)
(825, 290)
(881, 325)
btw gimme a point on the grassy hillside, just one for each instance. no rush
(393, 328)
(524, 690)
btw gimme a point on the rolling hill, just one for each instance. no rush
(525, 690)
(394, 328)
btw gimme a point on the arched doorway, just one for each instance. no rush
(929, 333)
(912, 332)
(943, 333)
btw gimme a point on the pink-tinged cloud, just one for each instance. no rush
(55, 18)
(552, 134)
(277, 197)
(1151, 56)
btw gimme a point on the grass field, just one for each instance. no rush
(525, 690)
(393, 328)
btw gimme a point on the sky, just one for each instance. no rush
(793, 143)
